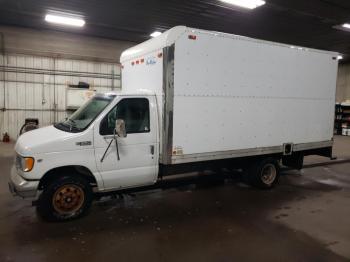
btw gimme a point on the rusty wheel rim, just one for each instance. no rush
(68, 199)
(268, 174)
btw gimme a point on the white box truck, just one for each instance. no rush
(191, 100)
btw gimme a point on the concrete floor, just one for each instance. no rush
(305, 218)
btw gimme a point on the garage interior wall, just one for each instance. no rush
(343, 83)
(36, 68)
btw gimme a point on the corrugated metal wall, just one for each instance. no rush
(343, 83)
(35, 87)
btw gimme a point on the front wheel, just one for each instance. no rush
(64, 199)
(263, 173)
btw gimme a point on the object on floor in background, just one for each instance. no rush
(338, 119)
(346, 132)
(29, 124)
(6, 138)
(80, 85)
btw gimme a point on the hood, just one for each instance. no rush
(50, 139)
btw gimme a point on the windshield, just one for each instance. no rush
(82, 118)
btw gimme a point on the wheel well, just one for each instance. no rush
(67, 171)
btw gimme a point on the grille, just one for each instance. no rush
(18, 162)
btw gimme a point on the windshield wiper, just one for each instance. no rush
(67, 125)
(72, 125)
(71, 120)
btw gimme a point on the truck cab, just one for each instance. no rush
(86, 147)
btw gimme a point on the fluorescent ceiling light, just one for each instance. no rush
(155, 34)
(64, 20)
(339, 57)
(344, 27)
(250, 4)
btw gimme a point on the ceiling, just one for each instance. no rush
(298, 22)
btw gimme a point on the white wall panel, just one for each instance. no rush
(1, 106)
(11, 95)
(1, 94)
(20, 100)
(35, 87)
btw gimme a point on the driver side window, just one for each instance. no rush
(135, 113)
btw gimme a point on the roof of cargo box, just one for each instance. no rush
(154, 44)
(170, 36)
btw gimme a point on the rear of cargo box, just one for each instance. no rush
(232, 96)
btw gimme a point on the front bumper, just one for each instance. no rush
(21, 187)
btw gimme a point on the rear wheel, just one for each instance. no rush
(263, 173)
(64, 199)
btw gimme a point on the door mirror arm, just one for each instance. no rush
(119, 131)
(109, 145)
(116, 143)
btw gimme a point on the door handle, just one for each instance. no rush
(152, 149)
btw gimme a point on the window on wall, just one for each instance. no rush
(135, 113)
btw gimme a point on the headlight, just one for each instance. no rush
(26, 164)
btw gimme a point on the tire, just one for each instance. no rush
(28, 127)
(263, 173)
(65, 199)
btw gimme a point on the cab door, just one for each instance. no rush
(138, 151)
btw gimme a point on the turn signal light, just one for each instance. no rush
(28, 164)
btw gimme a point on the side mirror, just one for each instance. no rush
(120, 128)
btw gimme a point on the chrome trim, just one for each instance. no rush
(312, 145)
(245, 152)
